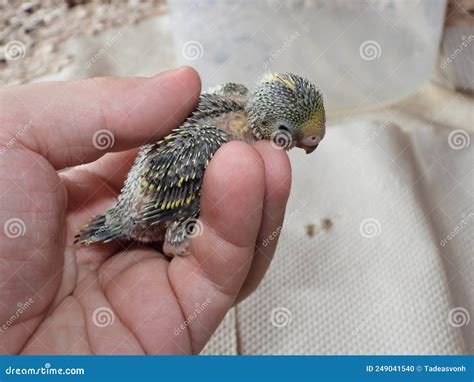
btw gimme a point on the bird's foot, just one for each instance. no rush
(181, 249)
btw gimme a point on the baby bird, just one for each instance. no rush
(160, 199)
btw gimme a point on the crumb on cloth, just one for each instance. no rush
(314, 229)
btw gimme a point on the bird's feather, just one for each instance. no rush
(174, 170)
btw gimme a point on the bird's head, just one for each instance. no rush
(288, 110)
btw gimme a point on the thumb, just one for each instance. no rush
(71, 123)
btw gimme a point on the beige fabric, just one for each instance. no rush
(342, 293)
(224, 340)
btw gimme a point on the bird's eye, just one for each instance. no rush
(311, 140)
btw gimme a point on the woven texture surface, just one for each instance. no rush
(376, 281)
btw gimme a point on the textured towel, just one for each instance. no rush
(376, 253)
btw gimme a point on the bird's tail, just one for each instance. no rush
(96, 231)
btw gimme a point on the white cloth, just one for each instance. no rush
(380, 286)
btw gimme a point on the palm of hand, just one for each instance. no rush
(107, 299)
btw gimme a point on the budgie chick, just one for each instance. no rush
(160, 199)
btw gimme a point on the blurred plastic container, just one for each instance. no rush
(456, 61)
(360, 53)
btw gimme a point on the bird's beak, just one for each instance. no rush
(308, 149)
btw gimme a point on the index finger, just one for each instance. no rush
(71, 123)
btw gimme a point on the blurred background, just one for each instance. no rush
(376, 254)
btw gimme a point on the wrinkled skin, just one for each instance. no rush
(53, 179)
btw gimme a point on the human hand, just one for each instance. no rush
(107, 299)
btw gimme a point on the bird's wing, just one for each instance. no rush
(173, 173)
(229, 89)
